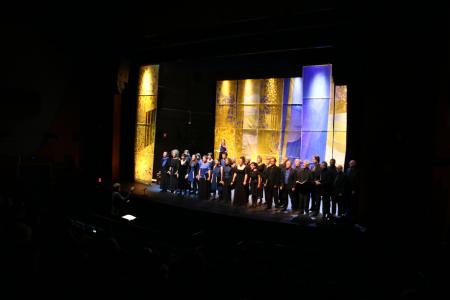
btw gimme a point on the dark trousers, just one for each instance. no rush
(337, 204)
(260, 194)
(226, 193)
(271, 196)
(315, 199)
(307, 197)
(303, 199)
(285, 193)
(203, 189)
(255, 192)
(164, 181)
(325, 196)
(295, 198)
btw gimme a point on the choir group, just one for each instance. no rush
(310, 187)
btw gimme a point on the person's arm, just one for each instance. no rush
(209, 175)
(234, 178)
(221, 176)
(245, 178)
(198, 174)
(259, 180)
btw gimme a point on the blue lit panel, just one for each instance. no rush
(317, 82)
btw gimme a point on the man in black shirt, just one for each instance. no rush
(165, 164)
(271, 183)
(287, 187)
(304, 183)
(340, 188)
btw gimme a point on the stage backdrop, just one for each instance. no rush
(297, 117)
(146, 123)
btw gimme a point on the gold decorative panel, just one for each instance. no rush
(146, 123)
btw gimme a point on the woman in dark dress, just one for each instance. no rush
(173, 170)
(255, 183)
(226, 180)
(240, 183)
(192, 175)
(204, 176)
(216, 180)
(183, 171)
(261, 167)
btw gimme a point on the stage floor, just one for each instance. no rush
(152, 193)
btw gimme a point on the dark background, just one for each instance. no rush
(59, 74)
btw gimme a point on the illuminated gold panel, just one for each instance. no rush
(269, 143)
(226, 118)
(148, 80)
(226, 92)
(146, 123)
(272, 91)
(249, 91)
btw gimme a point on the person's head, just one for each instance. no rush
(332, 162)
(339, 168)
(205, 158)
(352, 163)
(186, 152)
(284, 160)
(228, 161)
(209, 155)
(116, 186)
(316, 159)
(268, 160)
(306, 164)
(323, 165)
(224, 155)
(216, 162)
(183, 156)
(194, 158)
(253, 165)
(223, 142)
(247, 161)
(241, 160)
(259, 159)
(165, 153)
(175, 153)
(273, 160)
(288, 164)
(298, 163)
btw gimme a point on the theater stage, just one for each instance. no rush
(147, 195)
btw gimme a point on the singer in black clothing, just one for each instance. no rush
(315, 190)
(255, 183)
(165, 177)
(271, 184)
(173, 170)
(261, 167)
(340, 192)
(304, 185)
(287, 186)
(325, 187)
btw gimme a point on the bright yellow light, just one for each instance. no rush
(146, 124)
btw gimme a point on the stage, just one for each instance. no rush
(148, 195)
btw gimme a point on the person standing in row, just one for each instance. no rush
(287, 186)
(173, 171)
(216, 179)
(165, 177)
(261, 167)
(304, 183)
(272, 181)
(315, 190)
(340, 192)
(192, 175)
(255, 183)
(240, 183)
(333, 172)
(203, 177)
(183, 184)
(226, 181)
(325, 185)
